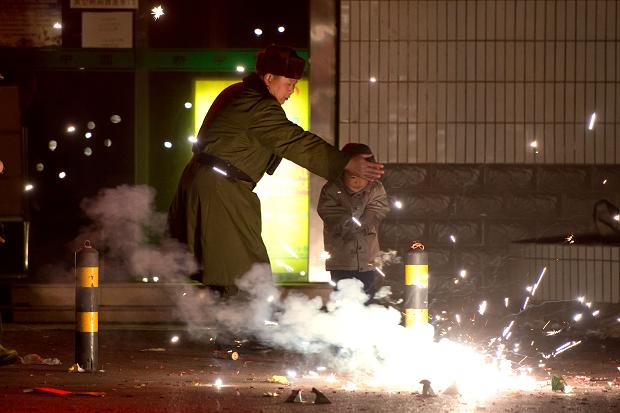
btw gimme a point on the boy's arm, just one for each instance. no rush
(376, 209)
(334, 214)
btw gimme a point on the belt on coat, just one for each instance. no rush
(223, 167)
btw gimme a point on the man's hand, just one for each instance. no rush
(358, 165)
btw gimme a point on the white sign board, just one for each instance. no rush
(107, 29)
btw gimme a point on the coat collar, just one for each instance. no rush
(253, 81)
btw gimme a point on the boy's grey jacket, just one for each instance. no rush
(352, 247)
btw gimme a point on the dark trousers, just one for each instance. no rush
(369, 278)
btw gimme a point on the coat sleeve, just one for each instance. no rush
(376, 209)
(335, 215)
(287, 140)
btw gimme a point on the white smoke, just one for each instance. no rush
(131, 234)
(346, 333)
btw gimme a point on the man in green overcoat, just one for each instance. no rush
(244, 135)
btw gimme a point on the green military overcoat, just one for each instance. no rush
(218, 216)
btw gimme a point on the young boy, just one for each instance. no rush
(352, 208)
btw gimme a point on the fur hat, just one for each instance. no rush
(281, 61)
(354, 148)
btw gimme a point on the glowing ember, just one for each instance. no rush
(218, 383)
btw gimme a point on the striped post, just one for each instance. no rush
(87, 307)
(416, 286)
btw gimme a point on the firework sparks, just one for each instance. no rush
(157, 12)
(592, 120)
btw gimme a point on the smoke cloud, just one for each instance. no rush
(131, 234)
(346, 333)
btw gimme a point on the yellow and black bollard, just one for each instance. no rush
(87, 307)
(416, 286)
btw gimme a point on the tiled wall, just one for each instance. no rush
(471, 217)
(479, 81)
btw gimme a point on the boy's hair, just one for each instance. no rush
(354, 148)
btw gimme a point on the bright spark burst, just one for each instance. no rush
(527, 300)
(258, 32)
(482, 308)
(62, 175)
(188, 105)
(174, 339)
(372, 79)
(220, 171)
(534, 144)
(617, 217)
(578, 316)
(218, 383)
(566, 346)
(28, 187)
(538, 282)
(592, 120)
(57, 26)
(288, 249)
(70, 129)
(595, 313)
(452, 238)
(240, 69)
(463, 273)
(155, 279)
(604, 181)
(506, 301)
(167, 144)
(281, 29)
(285, 265)
(192, 139)
(357, 221)
(157, 12)
(398, 204)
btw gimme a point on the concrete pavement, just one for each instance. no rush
(181, 377)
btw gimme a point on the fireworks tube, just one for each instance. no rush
(223, 354)
(416, 286)
(87, 307)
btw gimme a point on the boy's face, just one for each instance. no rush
(354, 183)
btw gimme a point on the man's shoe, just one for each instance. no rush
(7, 356)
